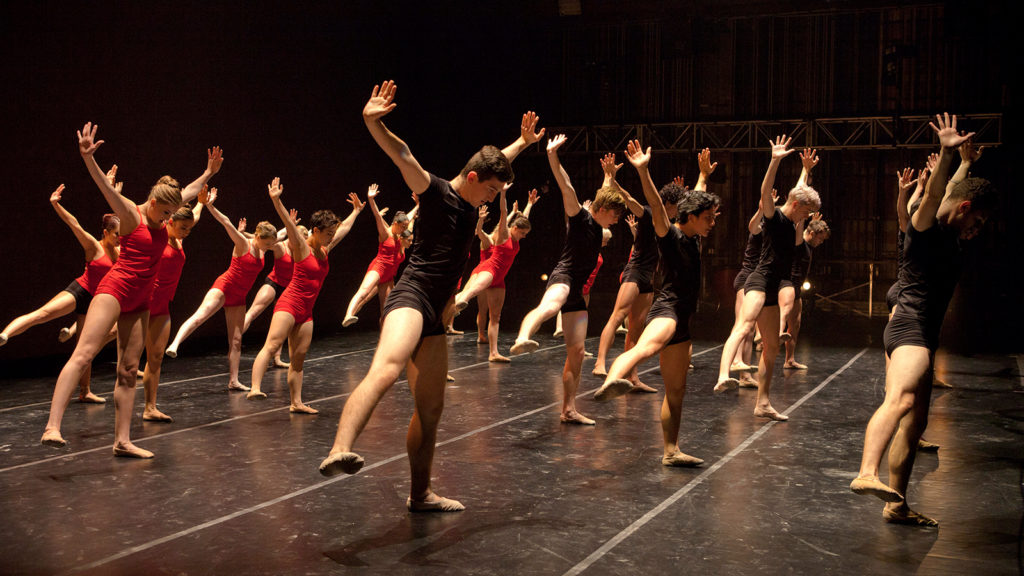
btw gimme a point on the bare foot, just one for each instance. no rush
(302, 409)
(557, 333)
(256, 395)
(641, 388)
(785, 337)
(926, 446)
(726, 384)
(449, 378)
(434, 503)
(171, 352)
(872, 486)
(90, 398)
(741, 367)
(53, 438)
(794, 365)
(453, 332)
(338, 462)
(155, 415)
(902, 514)
(64, 336)
(236, 385)
(681, 460)
(498, 358)
(770, 413)
(936, 383)
(481, 340)
(278, 363)
(523, 347)
(129, 450)
(748, 382)
(611, 389)
(599, 371)
(574, 417)
(349, 320)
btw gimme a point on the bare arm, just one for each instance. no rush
(935, 189)
(346, 225)
(485, 238)
(530, 201)
(90, 245)
(610, 169)
(969, 154)
(207, 197)
(214, 159)
(904, 180)
(809, 159)
(527, 136)
(501, 232)
(780, 149)
(123, 207)
(706, 168)
(641, 159)
(381, 103)
(570, 201)
(383, 232)
(296, 244)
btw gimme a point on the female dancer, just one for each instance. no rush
(122, 297)
(293, 314)
(171, 263)
(380, 275)
(668, 325)
(100, 256)
(229, 291)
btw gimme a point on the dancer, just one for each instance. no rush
(229, 291)
(100, 256)
(931, 268)
(293, 314)
(412, 336)
(579, 257)
(122, 297)
(761, 291)
(172, 261)
(380, 275)
(668, 325)
(809, 236)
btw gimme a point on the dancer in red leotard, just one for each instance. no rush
(293, 315)
(229, 291)
(122, 297)
(380, 274)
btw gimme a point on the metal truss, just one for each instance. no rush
(863, 133)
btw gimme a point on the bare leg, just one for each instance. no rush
(264, 297)
(156, 340)
(637, 318)
(794, 320)
(768, 321)
(786, 297)
(558, 325)
(298, 345)
(552, 301)
(366, 290)
(753, 301)
(212, 302)
(654, 337)
(628, 291)
(495, 302)
(281, 324)
(482, 313)
(477, 283)
(85, 382)
(60, 305)
(675, 360)
(902, 452)
(131, 339)
(574, 325)
(234, 316)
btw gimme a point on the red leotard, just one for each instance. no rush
(94, 272)
(131, 279)
(236, 282)
(389, 257)
(300, 295)
(499, 260)
(171, 263)
(593, 276)
(282, 272)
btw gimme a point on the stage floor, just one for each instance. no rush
(234, 486)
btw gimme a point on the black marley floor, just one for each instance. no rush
(234, 486)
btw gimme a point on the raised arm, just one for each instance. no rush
(610, 169)
(197, 210)
(501, 231)
(754, 225)
(570, 201)
(381, 103)
(780, 149)
(530, 201)
(935, 189)
(296, 244)
(90, 245)
(123, 207)
(809, 159)
(706, 168)
(969, 154)
(481, 217)
(640, 159)
(527, 136)
(922, 181)
(214, 158)
(631, 222)
(207, 197)
(346, 225)
(904, 181)
(383, 232)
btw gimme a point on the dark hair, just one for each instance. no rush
(696, 201)
(819, 227)
(111, 222)
(400, 217)
(521, 222)
(183, 213)
(489, 162)
(671, 193)
(323, 219)
(979, 192)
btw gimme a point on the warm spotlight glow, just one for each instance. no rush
(806, 286)
(543, 277)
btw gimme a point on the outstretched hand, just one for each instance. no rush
(372, 191)
(206, 196)
(381, 101)
(354, 200)
(775, 196)
(609, 166)
(112, 178)
(636, 155)
(275, 189)
(816, 216)
(481, 212)
(931, 162)
(704, 162)
(678, 181)
(533, 197)
(55, 197)
(214, 159)
(905, 178)
(241, 224)
(969, 152)
(922, 177)
(631, 221)
(528, 126)
(416, 198)
(383, 211)
(809, 158)
(586, 204)
(946, 131)
(294, 215)
(87, 143)
(555, 143)
(780, 147)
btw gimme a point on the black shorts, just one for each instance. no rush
(740, 280)
(277, 287)
(408, 295)
(642, 279)
(906, 330)
(789, 284)
(82, 297)
(667, 310)
(759, 283)
(574, 302)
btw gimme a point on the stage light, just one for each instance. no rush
(543, 277)
(806, 286)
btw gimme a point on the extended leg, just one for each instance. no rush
(550, 304)
(212, 302)
(281, 324)
(628, 291)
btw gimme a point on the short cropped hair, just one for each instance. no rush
(490, 162)
(671, 193)
(819, 228)
(610, 199)
(978, 191)
(695, 202)
(805, 195)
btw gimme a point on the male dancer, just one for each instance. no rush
(412, 335)
(932, 261)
